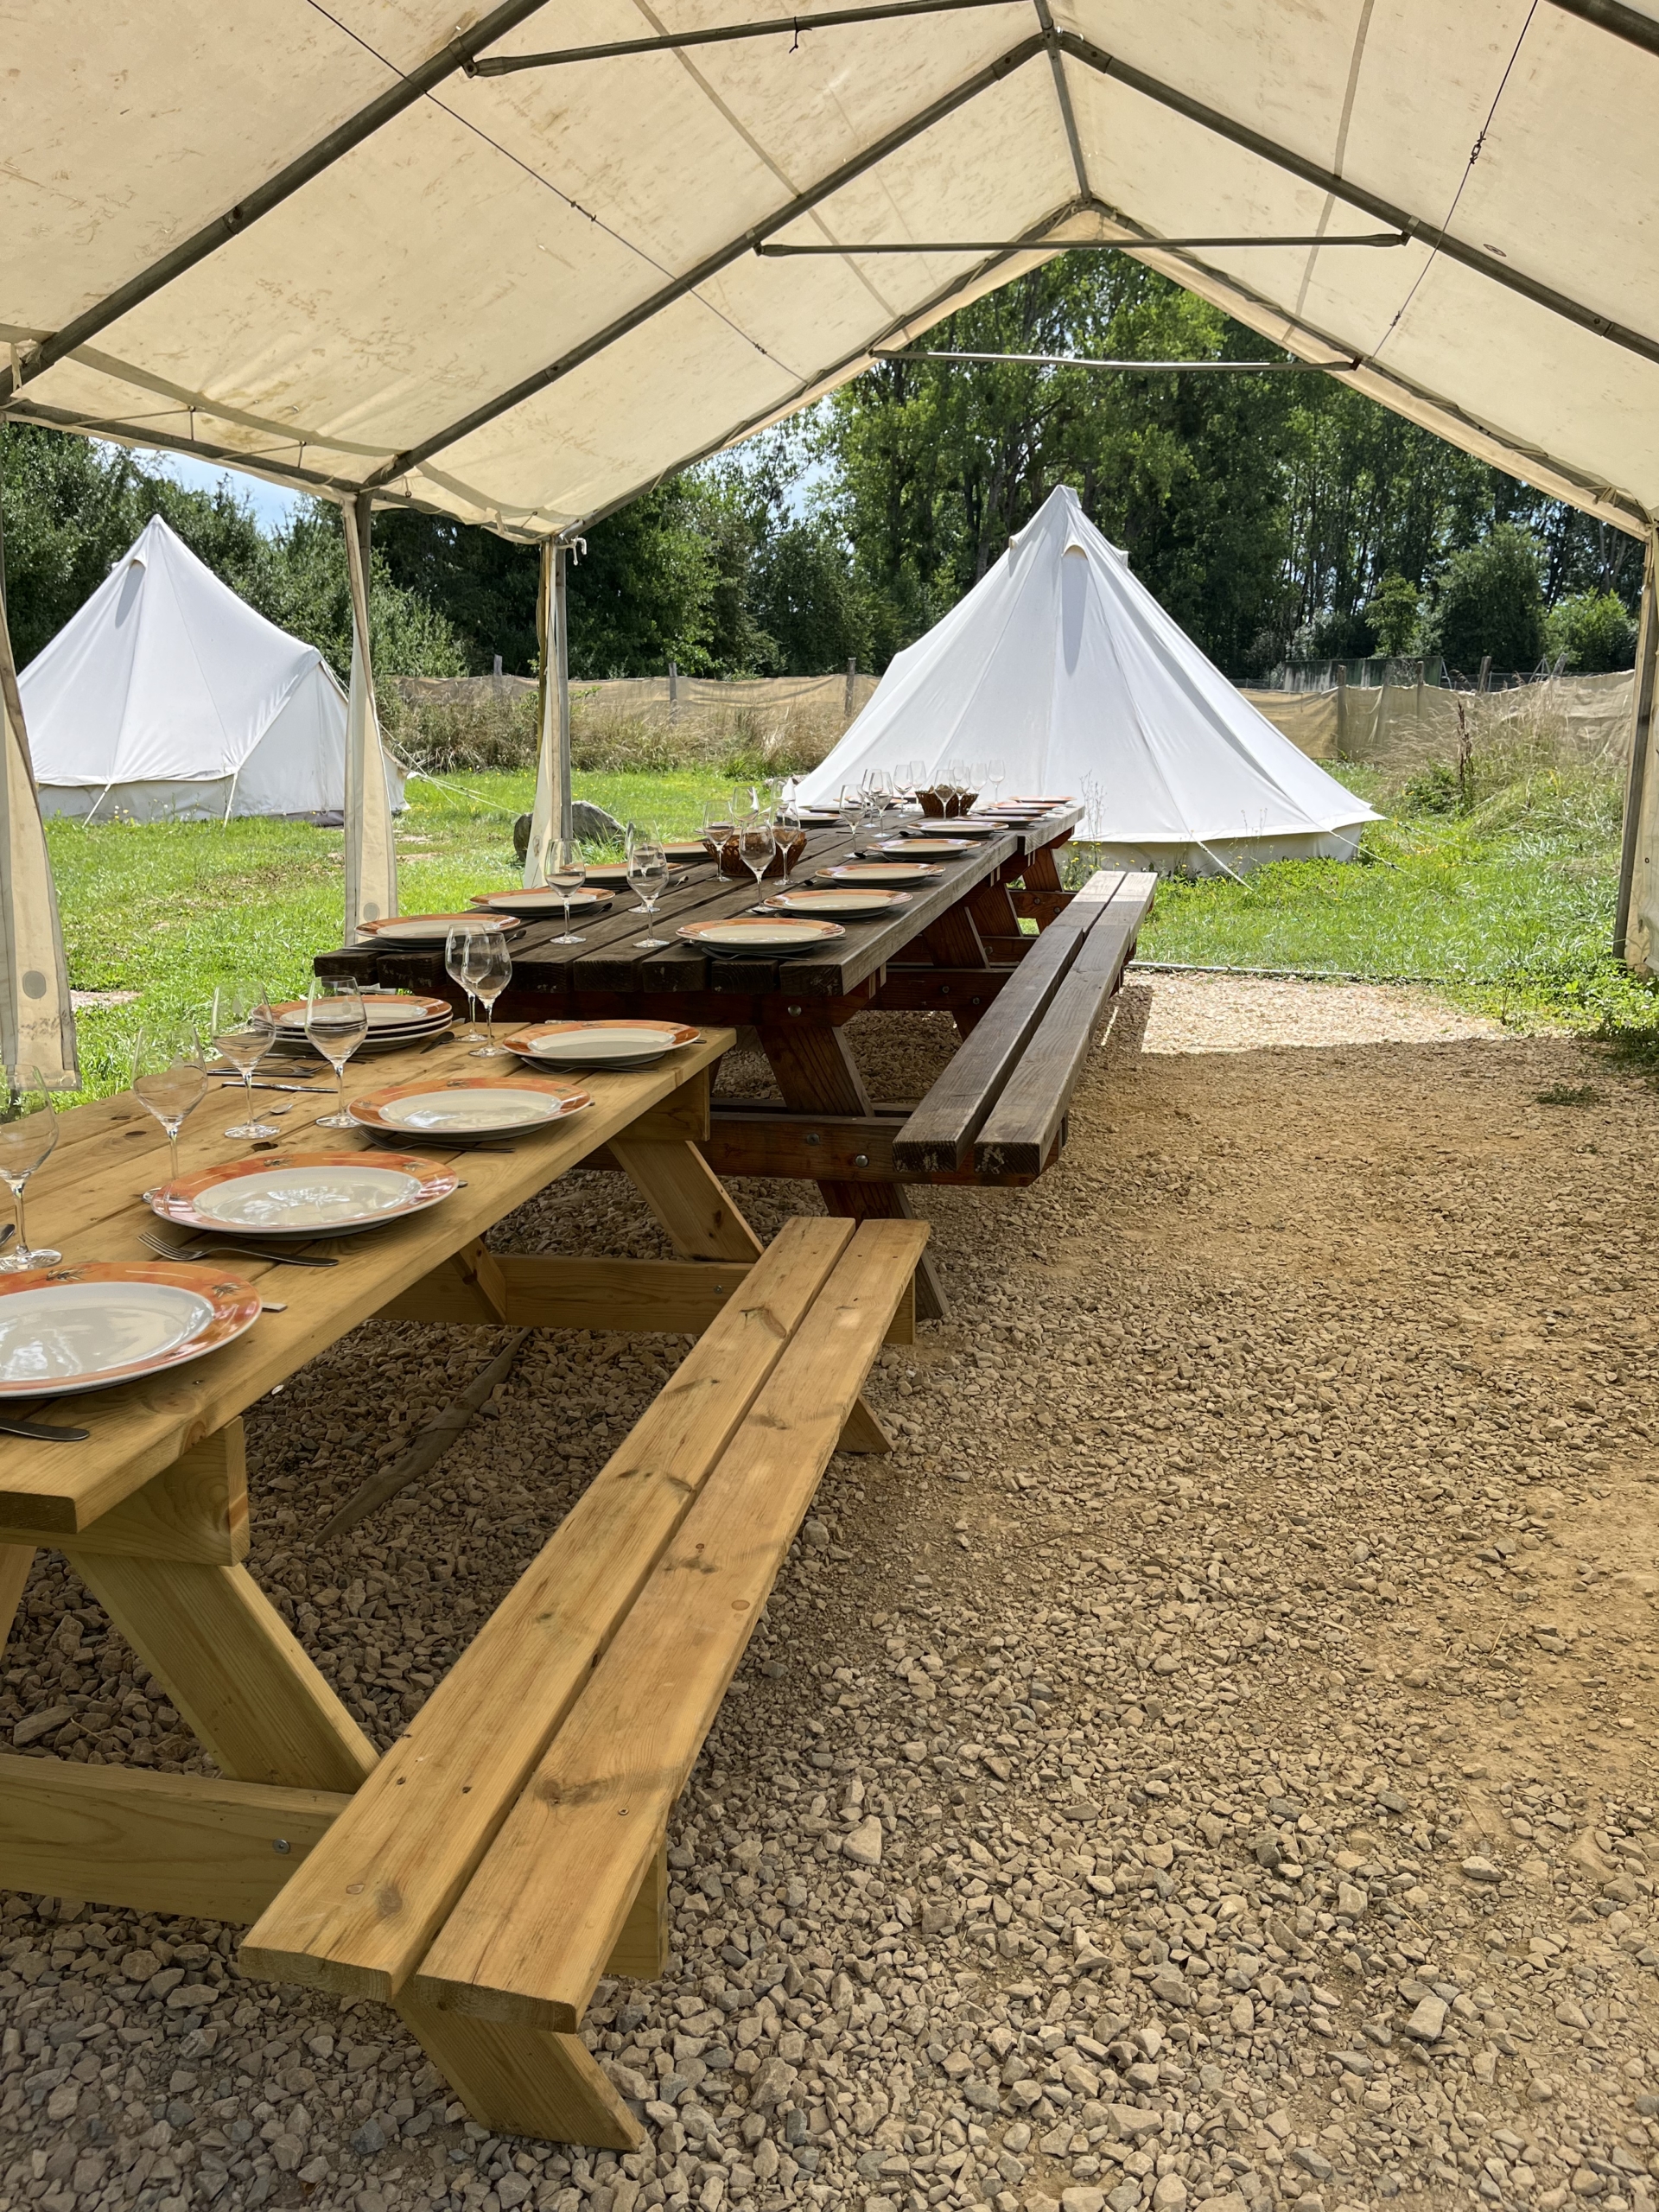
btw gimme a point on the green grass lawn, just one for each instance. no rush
(1510, 906)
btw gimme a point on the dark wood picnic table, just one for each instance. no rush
(951, 948)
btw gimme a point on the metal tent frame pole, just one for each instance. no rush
(1633, 856)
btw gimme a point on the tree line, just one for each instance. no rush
(1281, 518)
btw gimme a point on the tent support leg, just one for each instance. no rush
(1633, 947)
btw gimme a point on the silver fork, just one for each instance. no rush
(215, 1251)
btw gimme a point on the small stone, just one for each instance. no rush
(1427, 2023)
(1311, 2161)
(1083, 2200)
(1242, 2016)
(1169, 2195)
(863, 1844)
(1481, 1870)
(30, 1729)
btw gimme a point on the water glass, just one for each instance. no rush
(169, 1076)
(565, 871)
(28, 1129)
(490, 971)
(244, 1029)
(648, 880)
(336, 1021)
(457, 951)
(868, 833)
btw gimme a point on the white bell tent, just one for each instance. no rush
(166, 697)
(1063, 666)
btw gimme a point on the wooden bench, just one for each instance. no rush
(1003, 1098)
(509, 1849)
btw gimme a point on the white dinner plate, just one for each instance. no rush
(608, 1044)
(402, 1012)
(439, 1113)
(90, 1325)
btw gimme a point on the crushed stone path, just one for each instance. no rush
(1210, 1765)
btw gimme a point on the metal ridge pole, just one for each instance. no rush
(722, 259)
(1077, 361)
(508, 65)
(446, 62)
(1612, 16)
(1084, 245)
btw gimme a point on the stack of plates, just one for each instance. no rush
(468, 1109)
(308, 1194)
(966, 825)
(619, 1044)
(936, 849)
(397, 1020)
(90, 1326)
(529, 904)
(762, 936)
(434, 928)
(687, 849)
(848, 904)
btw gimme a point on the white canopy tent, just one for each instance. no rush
(1063, 666)
(253, 231)
(166, 697)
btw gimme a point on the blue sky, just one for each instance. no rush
(270, 502)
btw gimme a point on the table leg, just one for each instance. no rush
(519, 2081)
(816, 1074)
(233, 1668)
(16, 1560)
(687, 1198)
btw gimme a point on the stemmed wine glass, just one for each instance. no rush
(757, 843)
(565, 871)
(648, 878)
(489, 971)
(719, 824)
(169, 1076)
(457, 952)
(28, 1129)
(244, 1029)
(996, 770)
(336, 1021)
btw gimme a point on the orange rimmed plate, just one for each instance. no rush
(540, 901)
(938, 848)
(888, 872)
(619, 1044)
(847, 902)
(387, 1010)
(93, 1326)
(308, 1194)
(468, 1109)
(432, 929)
(761, 936)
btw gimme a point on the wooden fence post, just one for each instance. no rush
(1634, 917)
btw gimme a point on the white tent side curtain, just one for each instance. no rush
(622, 323)
(37, 1021)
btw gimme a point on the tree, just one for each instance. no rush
(1594, 630)
(1394, 615)
(1490, 600)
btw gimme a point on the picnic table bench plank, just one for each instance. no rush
(539, 1920)
(360, 1915)
(1026, 1119)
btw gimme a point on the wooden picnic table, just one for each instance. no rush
(151, 1512)
(951, 948)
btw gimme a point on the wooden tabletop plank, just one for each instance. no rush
(140, 1427)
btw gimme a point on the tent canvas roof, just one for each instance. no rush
(164, 675)
(519, 299)
(1062, 664)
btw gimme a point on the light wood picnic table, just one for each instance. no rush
(949, 948)
(151, 1510)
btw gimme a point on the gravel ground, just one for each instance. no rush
(1241, 1677)
(1247, 1013)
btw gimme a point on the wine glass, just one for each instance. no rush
(757, 843)
(169, 1076)
(996, 770)
(565, 871)
(648, 878)
(28, 1129)
(489, 971)
(719, 825)
(244, 1028)
(336, 1021)
(457, 951)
